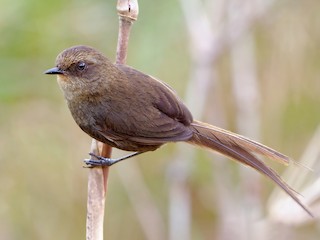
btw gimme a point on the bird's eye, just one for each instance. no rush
(81, 66)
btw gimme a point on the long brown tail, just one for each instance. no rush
(242, 149)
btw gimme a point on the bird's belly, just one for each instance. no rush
(119, 142)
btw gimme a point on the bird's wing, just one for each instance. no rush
(162, 116)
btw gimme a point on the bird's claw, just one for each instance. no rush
(101, 161)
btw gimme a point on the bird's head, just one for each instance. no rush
(80, 69)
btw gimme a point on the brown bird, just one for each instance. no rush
(127, 109)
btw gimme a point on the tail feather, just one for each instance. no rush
(242, 149)
(235, 139)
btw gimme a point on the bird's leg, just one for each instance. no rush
(106, 161)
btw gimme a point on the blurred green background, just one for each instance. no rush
(42, 183)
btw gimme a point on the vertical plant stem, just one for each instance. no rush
(147, 213)
(97, 188)
(128, 11)
(123, 39)
(98, 176)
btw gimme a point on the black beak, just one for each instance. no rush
(54, 70)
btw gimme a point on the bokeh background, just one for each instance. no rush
(251, 67)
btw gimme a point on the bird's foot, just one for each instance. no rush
(101, 161)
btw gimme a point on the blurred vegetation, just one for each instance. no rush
(42, 182)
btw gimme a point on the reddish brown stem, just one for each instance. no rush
(128, 11)
(123, 39)
(98, 176)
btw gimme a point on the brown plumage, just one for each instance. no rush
(132, 111)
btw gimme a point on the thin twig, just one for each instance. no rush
(139, 195)
(97, 189)
(98, 177)
(128, 13)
